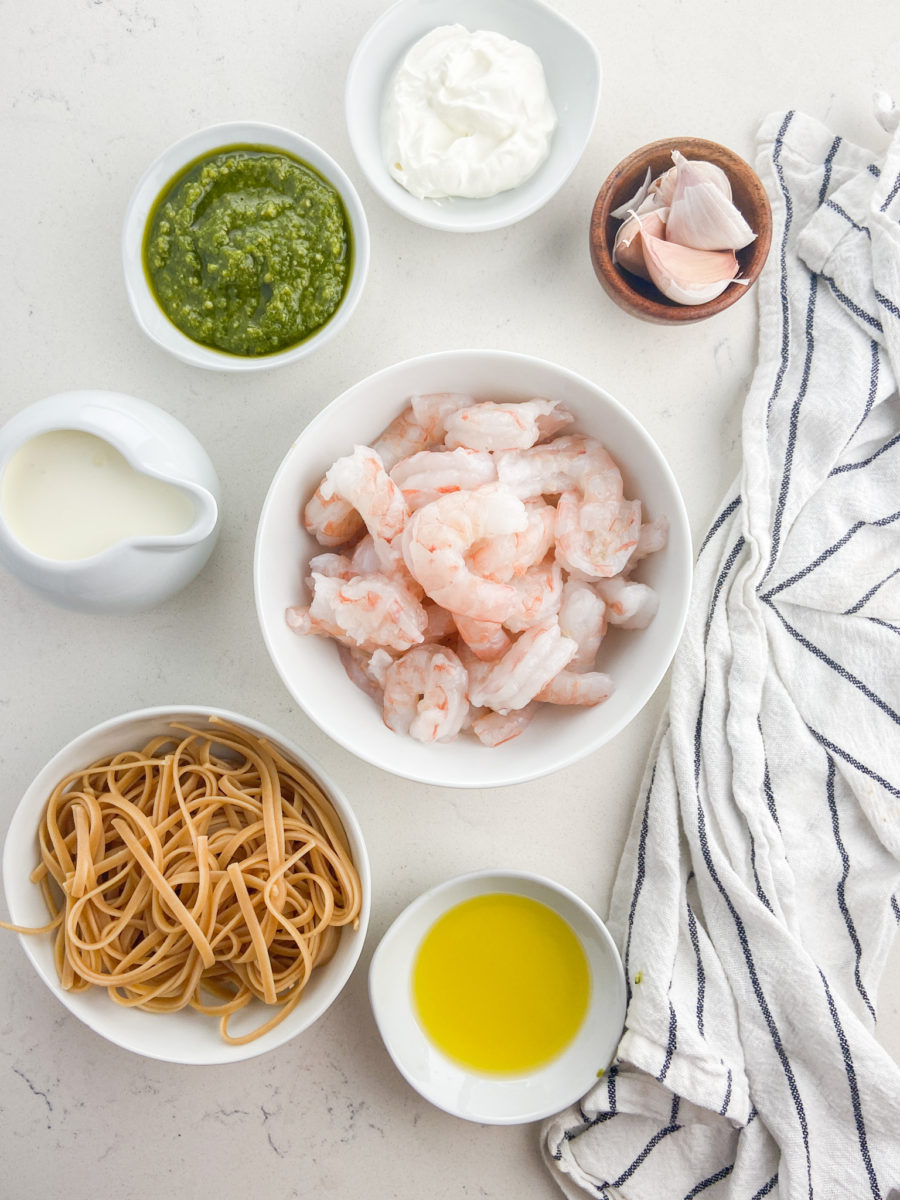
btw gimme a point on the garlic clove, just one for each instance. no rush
(692, 170)
(702, 217)
(628, 249)
(685, 274)
(624, 209)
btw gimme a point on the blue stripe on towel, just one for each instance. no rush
(719, 522)
(639, 879)
(852, 306)
(864, 599)
(835, 207)
(766, 1188)
(826, 175)
(854, 762)
(857, 466)
(720, 583)
(827, 553)
(854, 1090)
(793, 424)
(671, 1043)
(672, 1127)
(701, 974)
(841, 887)
(748, 958)
(891, 194)
(782, 261)
(887, 303)
(709, 1181)
(835, 666)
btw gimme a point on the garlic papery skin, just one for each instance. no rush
(628, 250)
(700, 216)
(620, 213)
(687, 275)
(692, 169)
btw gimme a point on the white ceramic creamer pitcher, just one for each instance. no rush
(124, 573)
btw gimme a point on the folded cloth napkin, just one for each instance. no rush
(756, 903)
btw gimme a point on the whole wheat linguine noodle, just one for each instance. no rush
(203, 870)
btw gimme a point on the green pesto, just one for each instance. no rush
(248, 250)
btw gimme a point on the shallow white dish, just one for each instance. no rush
(187, 1036)
(310, 666)
(497, 1100)
(572, 69)
(162, 170)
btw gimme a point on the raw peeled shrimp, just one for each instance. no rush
(538, 595)
(425, 694)
(582, 617)
(425, 476)
(511, 682)
(597, 530)
(553, 467)
(437, 537)
(493, 728)
(511, 554)
(366, 670)
(629, 604)
(491, 426)
(486, 639)
(470, 600)
(336, 566)
(363, 482)
(652, 537)
(331, 518)
(367, 611)
(584, 688)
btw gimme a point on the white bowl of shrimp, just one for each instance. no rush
(472, 568)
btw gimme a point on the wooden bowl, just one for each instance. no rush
(640, 297)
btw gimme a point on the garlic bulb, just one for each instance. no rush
(686, 275)
(682, 230)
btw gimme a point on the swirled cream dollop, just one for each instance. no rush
(466, 114)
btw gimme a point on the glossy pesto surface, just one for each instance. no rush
(248, 250)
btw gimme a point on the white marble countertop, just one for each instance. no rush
(92, 90)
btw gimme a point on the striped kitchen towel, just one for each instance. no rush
(756, 900)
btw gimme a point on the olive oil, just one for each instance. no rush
(501, 984)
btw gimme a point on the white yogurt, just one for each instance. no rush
(67, 495)
(466, 114)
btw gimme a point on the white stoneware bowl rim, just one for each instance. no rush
(310, 667)
(572, 67)
(186, 1037)
(147, 311)
(496, 1100)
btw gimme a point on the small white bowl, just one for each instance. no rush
(495, 1099)
(310, 666)
(183, 1037)
(571, 66)
(162, 170)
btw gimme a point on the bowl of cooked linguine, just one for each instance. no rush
(188, 883)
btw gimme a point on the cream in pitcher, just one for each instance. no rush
(107, 503)
(67, 495)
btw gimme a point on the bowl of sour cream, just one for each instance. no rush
(469, 115)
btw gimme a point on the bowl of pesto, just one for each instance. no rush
(245, 247)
